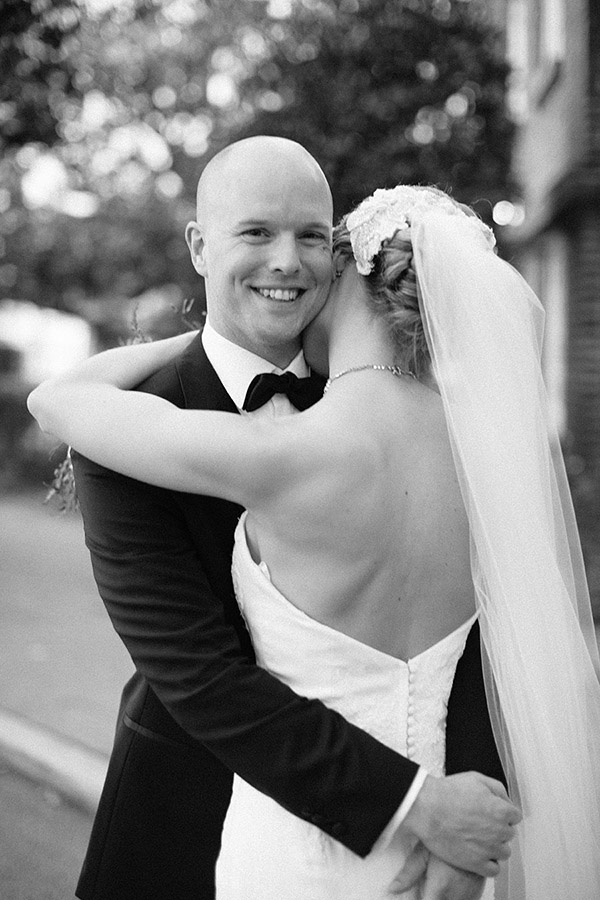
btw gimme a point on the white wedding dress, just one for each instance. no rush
(269, 854)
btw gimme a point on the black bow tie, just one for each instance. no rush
(302, 392)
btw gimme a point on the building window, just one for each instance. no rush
(544, 268)
(517, 53)
(535, 48)
(536, 20)
(552, 31)
(554, 296)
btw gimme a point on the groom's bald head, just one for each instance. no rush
(252, 158)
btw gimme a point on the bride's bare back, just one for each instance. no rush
(368, 533)
(354, 504)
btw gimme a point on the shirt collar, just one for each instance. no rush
(236, 366)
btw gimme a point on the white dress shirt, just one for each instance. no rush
(236, 367)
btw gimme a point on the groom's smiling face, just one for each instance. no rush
(263, 245)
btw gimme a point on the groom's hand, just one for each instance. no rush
(467, 820)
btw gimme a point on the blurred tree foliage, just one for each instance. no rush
(142, 92)
(34, 67)
(384, 92)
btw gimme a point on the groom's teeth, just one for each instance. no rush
(278, 294)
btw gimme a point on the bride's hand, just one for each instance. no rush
(412, 872)
(435, 879)
(445, 882)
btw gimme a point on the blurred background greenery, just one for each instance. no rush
(109, 110)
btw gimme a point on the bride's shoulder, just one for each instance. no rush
(328, 441)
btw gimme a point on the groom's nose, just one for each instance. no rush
(285, 257)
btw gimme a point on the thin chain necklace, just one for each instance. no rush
(395, 370)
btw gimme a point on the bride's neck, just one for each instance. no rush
(358, 337)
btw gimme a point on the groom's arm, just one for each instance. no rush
(304, 755)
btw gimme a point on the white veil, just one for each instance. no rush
(483, 326)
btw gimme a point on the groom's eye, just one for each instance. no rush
(255, 233)
(314, 236)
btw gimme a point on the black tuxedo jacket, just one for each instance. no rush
(198, 709)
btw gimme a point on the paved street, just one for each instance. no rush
(61, 672)
(61, 664)
(42, 841)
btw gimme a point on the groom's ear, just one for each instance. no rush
(197, 247)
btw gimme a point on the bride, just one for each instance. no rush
(426, 492)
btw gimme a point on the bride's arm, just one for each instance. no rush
(123, 367)
(146, 437)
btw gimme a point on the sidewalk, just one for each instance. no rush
(62, 667)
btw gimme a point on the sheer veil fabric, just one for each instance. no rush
(484, 326)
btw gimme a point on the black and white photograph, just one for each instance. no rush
(299, 449)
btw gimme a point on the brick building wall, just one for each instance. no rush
(583, 394)
(553, 136)
(594, 80)
(583, 382)
(556, 162)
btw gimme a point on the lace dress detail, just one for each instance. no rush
(269, 854)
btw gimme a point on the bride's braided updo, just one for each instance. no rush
(378, 235)
(392, 295)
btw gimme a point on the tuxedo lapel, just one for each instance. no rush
(200, 384)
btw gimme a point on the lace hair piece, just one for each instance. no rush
(387, 211)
